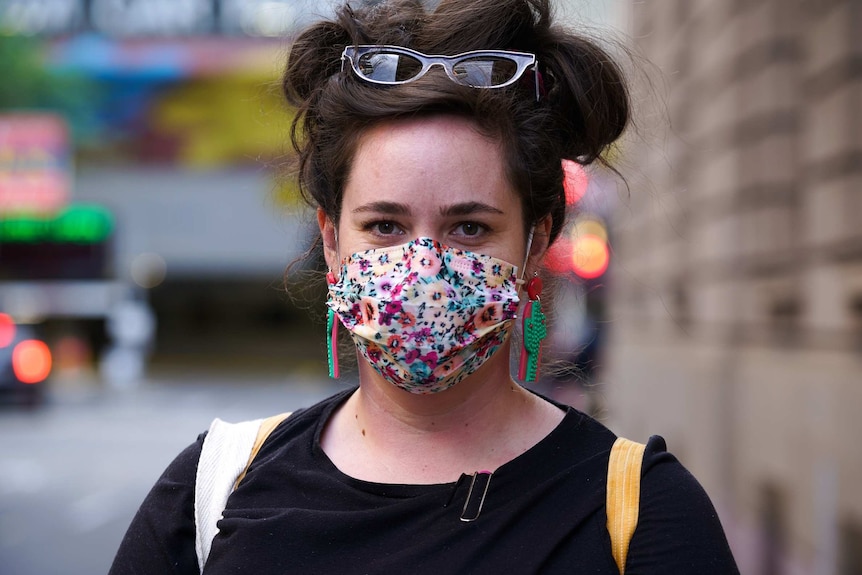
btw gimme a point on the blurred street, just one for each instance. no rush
(707, 288)
(73, 473)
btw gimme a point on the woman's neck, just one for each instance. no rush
(385, 434)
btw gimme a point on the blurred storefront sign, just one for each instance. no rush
(35, 163)
(77, 223)
(128, 18)
(73, 243)
(197, 102)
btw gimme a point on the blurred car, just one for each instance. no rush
(25, 363)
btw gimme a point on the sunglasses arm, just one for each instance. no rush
(536, 79)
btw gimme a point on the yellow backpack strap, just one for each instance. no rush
(266, 427)
(623, 496)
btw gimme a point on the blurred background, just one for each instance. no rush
(713, 294)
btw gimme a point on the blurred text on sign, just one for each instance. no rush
(35, 163)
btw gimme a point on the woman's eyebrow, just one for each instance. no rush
(392, 208)
(468, 208)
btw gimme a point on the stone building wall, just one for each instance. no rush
(737, 283)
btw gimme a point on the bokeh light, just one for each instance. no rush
(7, 329)
(149, 270)
(575, 181)
(590, 256)
(31, 361)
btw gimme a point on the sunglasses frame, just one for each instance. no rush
(524, 61)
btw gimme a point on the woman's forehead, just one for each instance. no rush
(429, 163)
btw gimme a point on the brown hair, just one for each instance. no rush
(584, 105)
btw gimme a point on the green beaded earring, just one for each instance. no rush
(534, 330)
(331, 335)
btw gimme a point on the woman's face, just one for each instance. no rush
(434, 177)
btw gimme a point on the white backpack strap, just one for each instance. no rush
(224, 455)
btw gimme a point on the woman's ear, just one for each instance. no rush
(540, 244)
(329, 236)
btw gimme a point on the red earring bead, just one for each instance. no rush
(534, 288)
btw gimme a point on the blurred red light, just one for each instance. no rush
(575, 181)
(7, 330)
(31, 361)
(558, 258)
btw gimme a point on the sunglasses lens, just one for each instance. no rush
(388, 67)
(485, 71)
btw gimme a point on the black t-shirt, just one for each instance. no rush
(543, 512)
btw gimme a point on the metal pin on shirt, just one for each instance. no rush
(475, 516)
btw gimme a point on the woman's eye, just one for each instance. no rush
(384, 228)
(469, 229)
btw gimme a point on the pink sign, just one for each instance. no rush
(35, 163)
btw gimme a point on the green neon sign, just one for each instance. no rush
(78, 223)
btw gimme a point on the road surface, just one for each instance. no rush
(73, 473)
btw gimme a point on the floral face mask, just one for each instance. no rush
(424, 315)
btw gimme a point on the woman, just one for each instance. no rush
(438, 188)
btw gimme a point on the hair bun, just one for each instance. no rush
(314, 57)
(587, 90)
